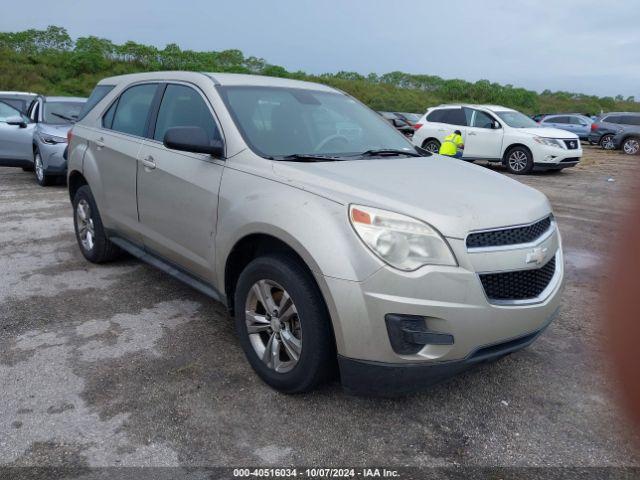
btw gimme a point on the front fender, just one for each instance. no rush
(316, 228)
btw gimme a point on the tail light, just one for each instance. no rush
(416, 126)
(69, 135)
(594, 127)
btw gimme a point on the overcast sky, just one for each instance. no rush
(586, 46)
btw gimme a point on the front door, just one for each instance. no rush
(16, 141)
(178, 191)
(482, 141)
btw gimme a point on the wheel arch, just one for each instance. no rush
(511, 147)
(74, 182)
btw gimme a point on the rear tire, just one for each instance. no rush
(631, 146)
(518, 160)
(92, 240)
(432, 145)
(291, 347)
(606, 142)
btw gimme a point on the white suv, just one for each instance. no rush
(499, 134)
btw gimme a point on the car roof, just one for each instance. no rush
(224, 79)
(65, 99)
(620, 113)
(31, 94)
(495, 108)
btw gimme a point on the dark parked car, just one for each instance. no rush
(604, 130)
(628, 140)
(410, 118)
(401, 125)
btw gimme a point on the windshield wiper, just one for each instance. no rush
(307, 157)
(388, 151)
(64, 117)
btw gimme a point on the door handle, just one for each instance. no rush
(100, 143)
(472, 134)
(148, 163)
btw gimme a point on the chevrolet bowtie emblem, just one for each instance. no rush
(537, 255)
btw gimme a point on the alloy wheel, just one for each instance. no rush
(431, 147)
(631, 146)
(84, 223)
(518, 160)
(607, 142)
(273, 326)
(39, 167)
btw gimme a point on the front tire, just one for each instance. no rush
(42, 178)
(432, 145)
(283, 324)
(606, 142)
(519, 161)
(631, 146)
(92, 240)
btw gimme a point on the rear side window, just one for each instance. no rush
(612, 119)
(629, 120)
(98, 94)
(182, 106)
(435, 116)
(454, 116)
(133, 108)
(558, 120)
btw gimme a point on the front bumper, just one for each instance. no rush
(451, 300)
(552, 157)
(53, 158)
(361, 377)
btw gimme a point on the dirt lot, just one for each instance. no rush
(122, 365)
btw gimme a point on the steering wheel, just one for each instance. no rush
(329, 139)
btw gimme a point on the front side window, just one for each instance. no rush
(182, 106)
(516, 119)
(558, 120)
(133, 108)
(61, 112)
(276, 122)
(7, 112)
(482, 120)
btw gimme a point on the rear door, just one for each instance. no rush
(115, 148)
(448, 121)
(482, 140)
(16, 142)
(178, 191)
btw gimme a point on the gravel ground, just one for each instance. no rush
(122, 365)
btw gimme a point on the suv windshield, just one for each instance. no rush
(60, 113)
(517, 120)
(279, 122)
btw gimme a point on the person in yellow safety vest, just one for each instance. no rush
(453, 146)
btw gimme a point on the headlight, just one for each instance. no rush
(403, 242)
(52, 139)
(550, 142)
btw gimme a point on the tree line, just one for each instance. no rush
(49, 61)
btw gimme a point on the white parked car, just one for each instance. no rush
(499, 134)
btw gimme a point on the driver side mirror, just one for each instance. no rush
(495, 125)
(17, 121)
(194, 140)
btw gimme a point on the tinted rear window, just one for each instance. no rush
(454, 116)
(98, 94)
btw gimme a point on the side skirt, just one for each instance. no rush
(175, 271)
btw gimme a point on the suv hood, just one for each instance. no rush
(55, 130)
(548, 132)
(453, 196)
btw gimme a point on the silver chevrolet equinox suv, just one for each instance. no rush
(335, 244)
